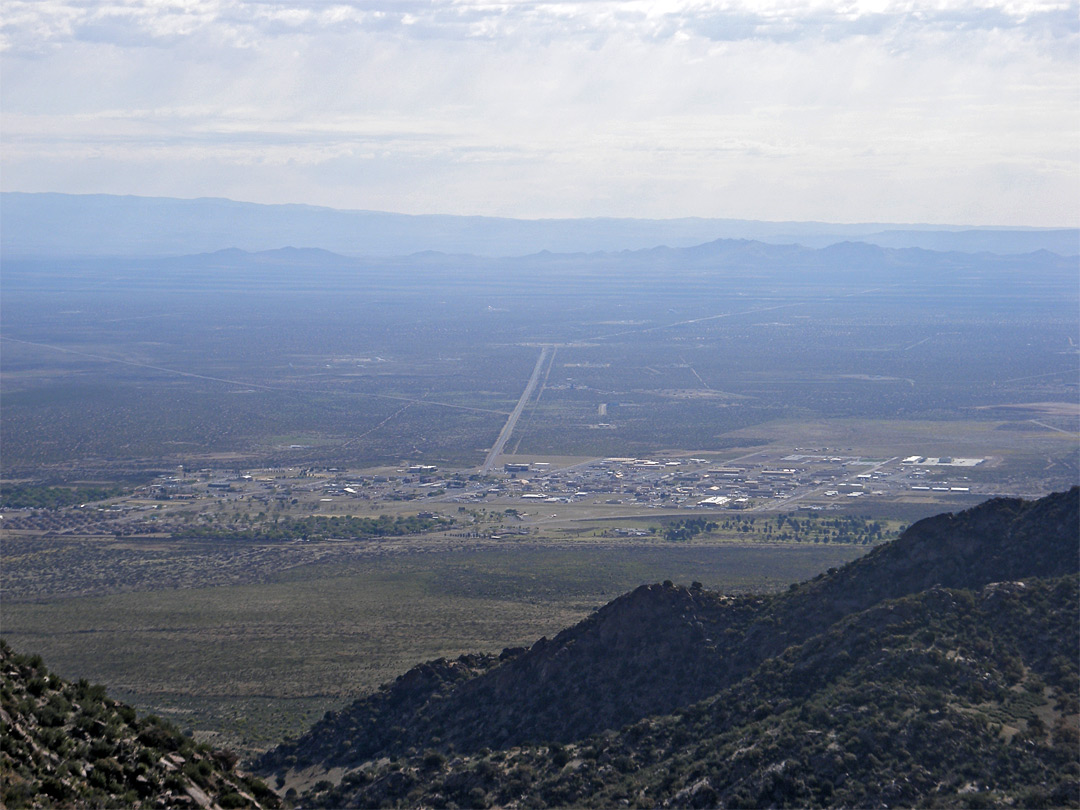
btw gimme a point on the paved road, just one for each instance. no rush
(508, 428)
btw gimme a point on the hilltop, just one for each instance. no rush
(913, 669)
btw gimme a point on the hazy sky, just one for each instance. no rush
(949, 112)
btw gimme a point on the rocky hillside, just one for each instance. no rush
(947, 698)
(662, 649)
(68, 745)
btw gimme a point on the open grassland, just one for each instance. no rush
(253, 663)
(41, 568)
(1024, 457)
(885, 437)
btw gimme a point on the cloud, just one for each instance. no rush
(775, 110)
(33, 25)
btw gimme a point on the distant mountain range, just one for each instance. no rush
(707, 267)
(63, 225)
(939, 670)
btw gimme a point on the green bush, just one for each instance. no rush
(231, 800)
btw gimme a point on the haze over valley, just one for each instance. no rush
(525, 405)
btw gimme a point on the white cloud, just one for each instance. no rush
(951, 112)
(33, 25)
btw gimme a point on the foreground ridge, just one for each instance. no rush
(69, 745)
(855, 682)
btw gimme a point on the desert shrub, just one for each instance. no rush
(231, 800)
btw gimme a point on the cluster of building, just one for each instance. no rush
(755, 480)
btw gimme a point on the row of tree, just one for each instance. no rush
(36, 496)
(321, 527)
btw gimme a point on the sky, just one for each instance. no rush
(945, 112)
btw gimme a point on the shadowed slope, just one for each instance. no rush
(945, 698)
(663, 647)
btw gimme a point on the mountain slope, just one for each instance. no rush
(945, 698)
(69, 745)
(663, 647)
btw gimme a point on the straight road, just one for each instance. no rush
(511, 422)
